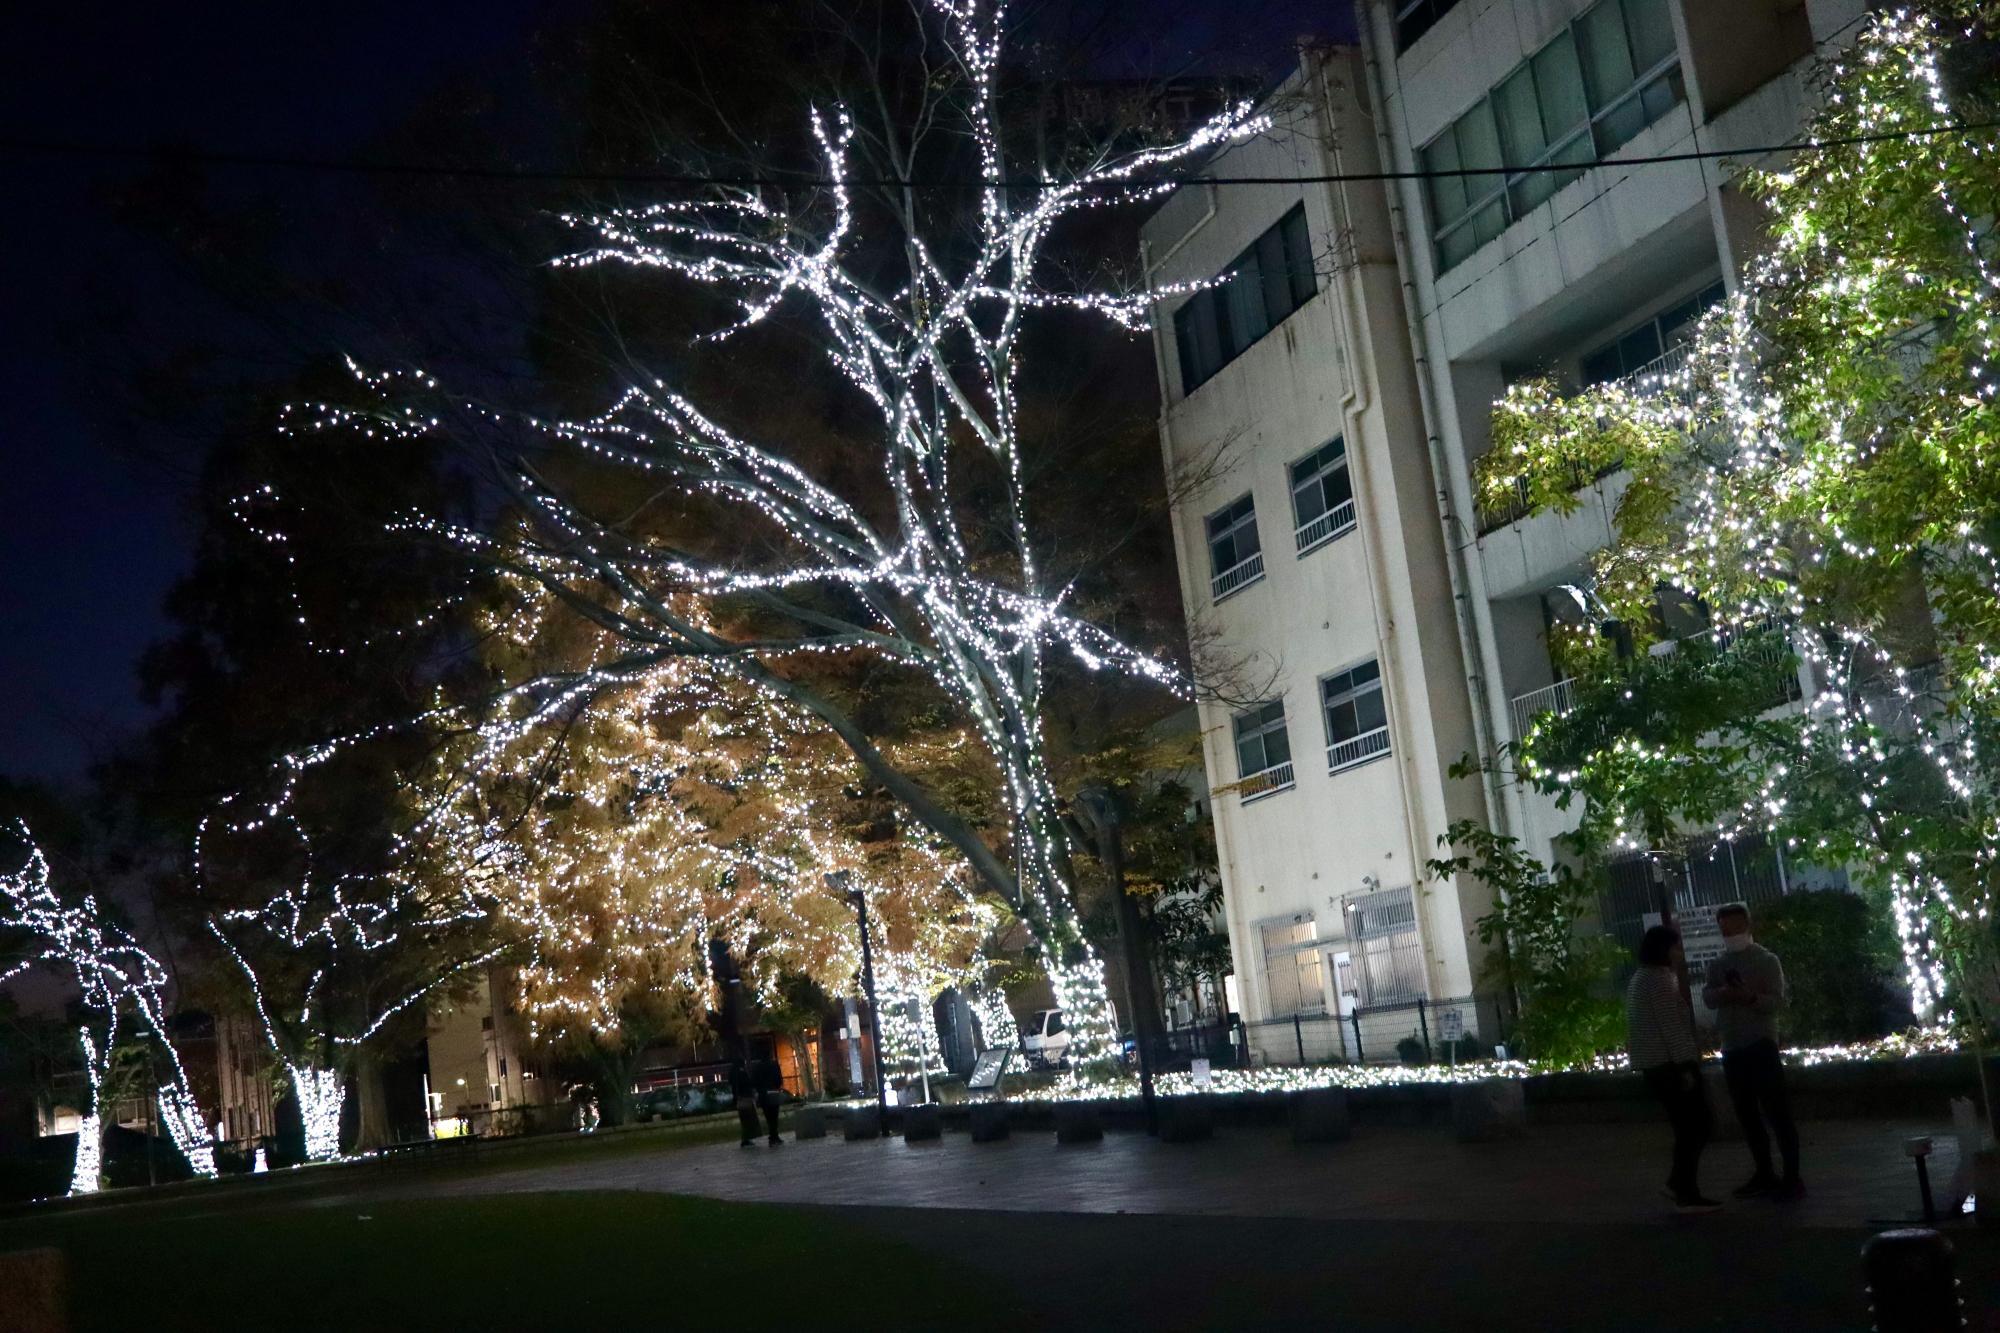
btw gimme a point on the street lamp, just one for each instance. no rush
(838, 880)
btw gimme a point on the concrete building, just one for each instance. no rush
(1587, 275)
(482, 1079)
(1325, 406)
(1316, 583)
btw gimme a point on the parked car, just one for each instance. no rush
(1045, 1041)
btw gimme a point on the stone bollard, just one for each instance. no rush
(1911, 1288)
(37, 1295)
(862, 1122)
(1078, 1122)
(809, 1122)
(989, 1122)
(1319, 1115)
(922, 1124)
(1186, 1119)
(1491, 1109)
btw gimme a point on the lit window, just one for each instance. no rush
(1322, 496)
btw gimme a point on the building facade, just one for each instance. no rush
(1314, 577)
(482, 1077)
(1359, 621)
(1581, 274)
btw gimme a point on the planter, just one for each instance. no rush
(862, 1122)
(809, 1122)
(922, 1124)
(1489, 1110)
(1320, 1115)
(989, 1122)
(1186, 1119)
(1078, 1122)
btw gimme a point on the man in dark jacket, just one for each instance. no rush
(770, 1081)
(744, 1090)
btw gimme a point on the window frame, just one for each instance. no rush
(1226, 583)
(1274, 776)
(1512, 187)
(1208, 311)
(1331, 524)
(1363, 747)
(1290, 954)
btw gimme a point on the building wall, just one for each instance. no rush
(1600, 255)
(479, 1058)
(1337, 366)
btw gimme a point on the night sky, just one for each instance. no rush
(99, 292)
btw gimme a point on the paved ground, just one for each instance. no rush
(1397, 1229)
(1585, 1174)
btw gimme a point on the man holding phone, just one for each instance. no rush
(1746, 988)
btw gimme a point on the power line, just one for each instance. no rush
(355, 166)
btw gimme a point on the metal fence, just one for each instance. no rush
(1412, 1031)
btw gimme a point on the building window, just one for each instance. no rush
(1357, 723)
(1601, 80)
(503, 1066)
(1388, 962)
(1646, 349)
(1235, 559)
(1414, 18)
(1322, 496)
(1263, 750)
(1267, 282)
(1292, 966)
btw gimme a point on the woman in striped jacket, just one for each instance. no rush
(1659, 1030)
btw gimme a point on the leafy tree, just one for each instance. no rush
(1822, 481)
(1556, 972)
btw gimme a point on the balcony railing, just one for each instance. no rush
(1660, 376)
(1326, 527)
(1237, 577)
(1357, 750)
(1256, 786)
(1558, 699)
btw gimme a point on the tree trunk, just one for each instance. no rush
(808, 1085)
(372, 1133)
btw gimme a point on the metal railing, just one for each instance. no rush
(1419, 1030)
(1276, 778)
(1237, 577)
(1333, 523)
(1357, 750)
(1660, 376)
(1558, 699)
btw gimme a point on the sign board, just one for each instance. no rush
(1701, 937)
(1199, 1068)
(987, 1069)
(1451, 1025)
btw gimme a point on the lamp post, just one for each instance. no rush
(837, 881)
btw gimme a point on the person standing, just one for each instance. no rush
(1746, 988)
(1659, 1036)
(744, 1091)
(770, 1081)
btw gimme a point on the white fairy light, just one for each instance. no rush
(938, 363)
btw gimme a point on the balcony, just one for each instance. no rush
(1335, 522)
(1555, 699)
(1357, 750)
(1659, 378)
(1237, 577)
(1256, 786)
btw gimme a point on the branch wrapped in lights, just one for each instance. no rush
(1821, 471)
(884, 566)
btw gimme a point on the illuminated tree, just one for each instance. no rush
(624, 829)
(1822, 477)
(122, 986)
(924, 556)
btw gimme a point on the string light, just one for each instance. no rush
(1825, 444)
(937, 361)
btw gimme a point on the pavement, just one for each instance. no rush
(1396, 1228)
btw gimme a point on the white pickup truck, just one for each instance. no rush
(1045, 1040)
